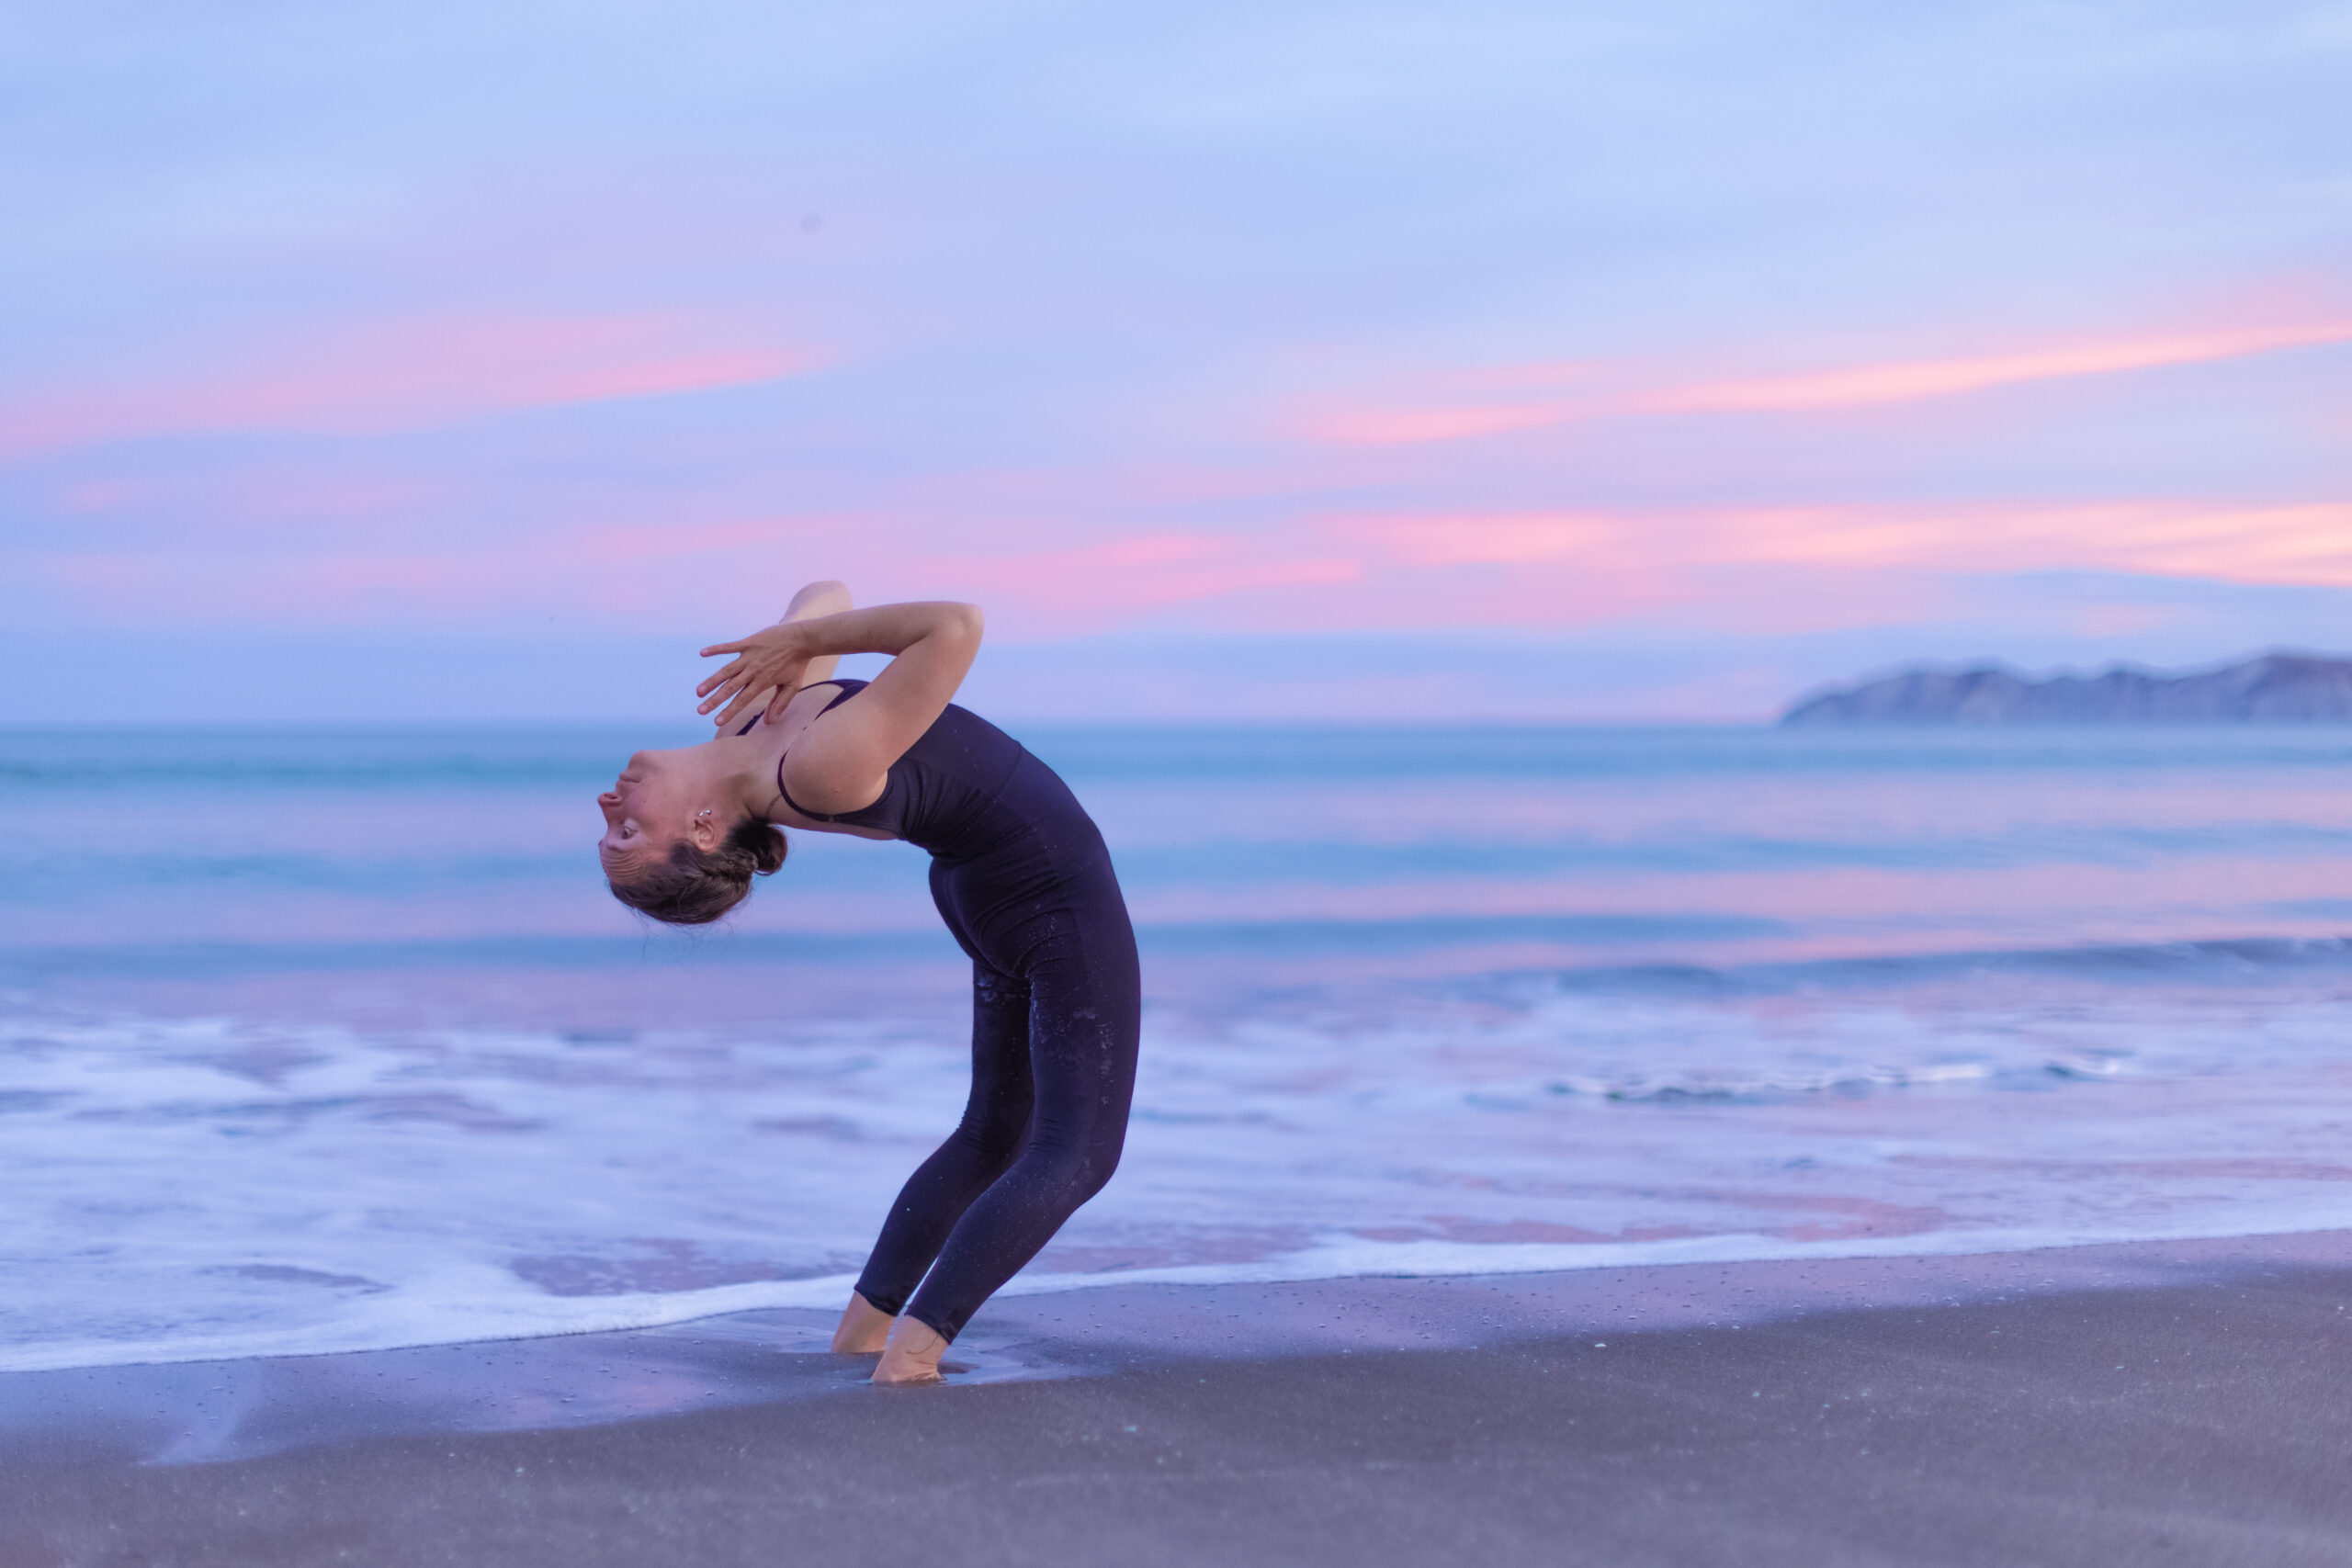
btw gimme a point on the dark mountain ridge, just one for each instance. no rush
(2278, 688)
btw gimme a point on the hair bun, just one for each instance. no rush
(768, 851)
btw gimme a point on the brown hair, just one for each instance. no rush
(693, 887)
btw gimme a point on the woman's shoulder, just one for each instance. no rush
(827, 695)
(801, 699)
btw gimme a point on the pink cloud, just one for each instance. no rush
(1910, 381)
(394, 374)
(2305, 544)
(1412, 427)
(1477, 414)
(1066, 588)
(726, 571)
(1780, 570)
(1099, 584)
(1790, 569)
(252, 495)
(1509, 539)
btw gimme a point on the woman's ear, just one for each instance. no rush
(704, 831)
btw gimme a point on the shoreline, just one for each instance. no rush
(2175, 1404)
(778, 1307)
(225, 1408)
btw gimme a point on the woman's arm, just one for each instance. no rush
(817, 599)
(843, 761)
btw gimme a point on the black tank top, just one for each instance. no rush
(955, 791)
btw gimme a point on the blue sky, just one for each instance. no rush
(1363, 361)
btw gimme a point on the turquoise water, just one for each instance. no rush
(312, 1039)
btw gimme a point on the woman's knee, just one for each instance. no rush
(1099, 1169)
(993, 1137)
(1080, 1169)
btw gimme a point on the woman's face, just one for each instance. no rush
(648, 807)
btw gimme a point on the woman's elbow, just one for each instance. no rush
(965, 622)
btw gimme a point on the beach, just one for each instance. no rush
(1720, 1145)
(1473, 1002)
(2094, 1406)
(1703, 913)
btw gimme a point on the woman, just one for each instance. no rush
(1018, 870)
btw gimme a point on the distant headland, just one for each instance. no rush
(2278, 688)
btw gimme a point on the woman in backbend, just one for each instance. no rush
(1020, 874)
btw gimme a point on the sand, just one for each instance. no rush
(2175, 1404)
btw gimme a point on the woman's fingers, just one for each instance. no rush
(741, 651)
(734, 709)
(758, 665)
(727, 691)
(710, 681)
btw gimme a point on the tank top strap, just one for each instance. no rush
(849, 688)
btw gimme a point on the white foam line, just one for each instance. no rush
(537, 1317)
(396, 1327)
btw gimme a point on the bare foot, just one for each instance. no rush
(912, 1354)
(864, 1327)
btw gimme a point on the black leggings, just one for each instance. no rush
(1057, 1006)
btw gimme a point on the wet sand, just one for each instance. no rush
(2181, 1404)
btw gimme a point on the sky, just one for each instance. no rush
(1359, 362)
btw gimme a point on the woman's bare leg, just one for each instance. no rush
(912, 1353)
(865, 1328)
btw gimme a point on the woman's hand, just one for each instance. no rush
(825, 598)
(843, 761)
(777, 657)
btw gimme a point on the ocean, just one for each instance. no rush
(317, 1040)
